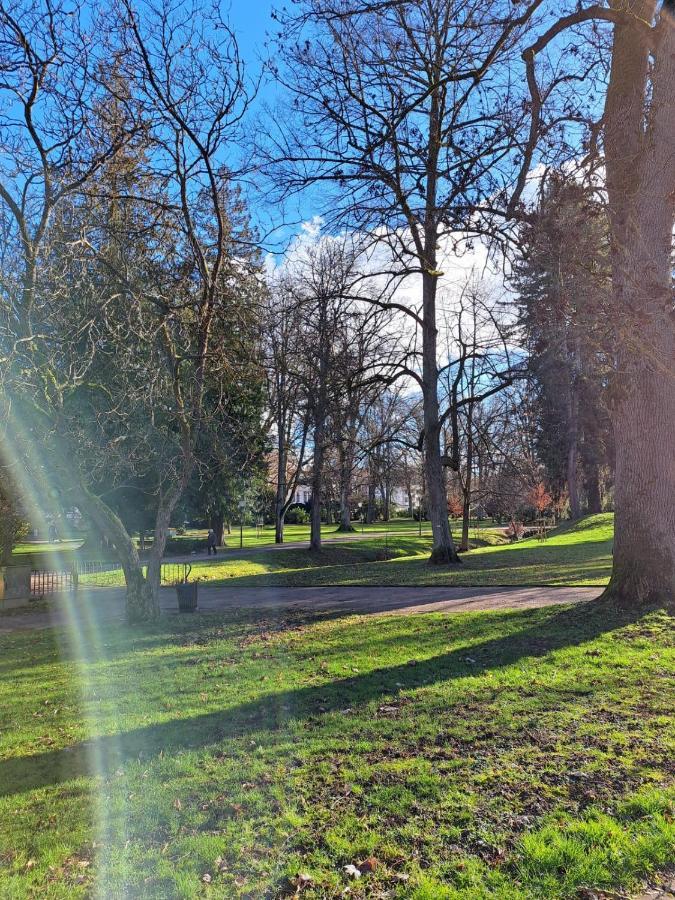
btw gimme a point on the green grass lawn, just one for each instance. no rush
(45, 554)
(577, 554)
(507, 755)
(252, 537)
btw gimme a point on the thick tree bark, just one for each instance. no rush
(443, 549)
(317, 479)
(346, 468)
(641, 189)
(154, 570)
(573, 479)
(142, 600)
(218, 525)
(370, 512)
(279, 522)
(315, 507)
(6, 551)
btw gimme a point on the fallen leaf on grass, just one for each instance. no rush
(370, 864)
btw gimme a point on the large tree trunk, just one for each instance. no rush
(317, 485)
(280, 498)
(315, 514)
(346, 468)
(370, 513)
(443, 549)
(142, 600)
(644, 521)
(279, 522)
(218, 525)
(6, 550)
(154, 570)
(641, 191)
(573, 480)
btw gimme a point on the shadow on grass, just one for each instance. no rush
(504, 565)
(102, 756)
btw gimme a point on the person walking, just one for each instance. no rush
(211, 542)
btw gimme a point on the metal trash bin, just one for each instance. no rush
(187, 596)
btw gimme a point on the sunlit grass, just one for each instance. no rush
(577, 555)
(517, 755)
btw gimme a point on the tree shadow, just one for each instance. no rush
(562, 563)
(103, 756)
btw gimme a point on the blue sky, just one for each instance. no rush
(251, 20)
(253, 25)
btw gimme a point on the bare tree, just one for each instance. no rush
(479, 367)
(367, 359)
(409, 109)
(289, 407)
(324, 282)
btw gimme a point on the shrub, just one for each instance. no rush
(181, 546)
(297, 515)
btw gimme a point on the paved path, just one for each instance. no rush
(107, 604)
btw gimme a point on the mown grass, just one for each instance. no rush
(43, 554)
(507, 755)
(577, 554)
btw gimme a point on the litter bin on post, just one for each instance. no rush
(187, 593)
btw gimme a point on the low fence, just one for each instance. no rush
(96, 573)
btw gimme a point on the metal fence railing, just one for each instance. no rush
(50, 582)
(96, 573)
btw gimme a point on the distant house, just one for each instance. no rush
(303, 494)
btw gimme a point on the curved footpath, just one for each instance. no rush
(107, 604)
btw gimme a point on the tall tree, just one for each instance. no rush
(563, 284)
(636, 129)
(289, 417)
(325, 284)
(149, 317)
(409, 109)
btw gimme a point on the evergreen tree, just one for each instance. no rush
(563, 285)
